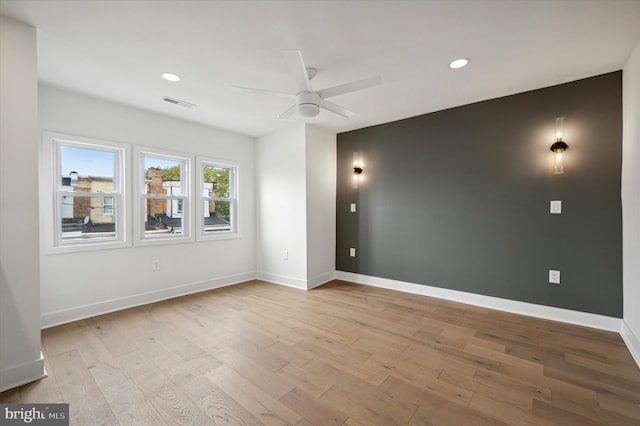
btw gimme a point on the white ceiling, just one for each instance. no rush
(117, 50)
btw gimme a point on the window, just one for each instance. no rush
(218, 199)
(107, 206)
(164, 185)
(87, 178)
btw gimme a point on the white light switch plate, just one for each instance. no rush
(353, 207)
(352, 252)
(555, 207)
(554, 277)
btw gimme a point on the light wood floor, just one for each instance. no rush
(259, 353)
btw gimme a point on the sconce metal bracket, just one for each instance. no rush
(559, 146)
(357, 170)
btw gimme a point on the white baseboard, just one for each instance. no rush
(298, 283)
(64, 316)
(632, 342)
(19, 375)
(282, 280)
(318, 280)
(523, 308)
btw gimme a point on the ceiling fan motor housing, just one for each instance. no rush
(307, 104)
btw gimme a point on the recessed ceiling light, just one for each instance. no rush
(170, 76)
(458, 63)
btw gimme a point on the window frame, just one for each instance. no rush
(52, 192)
(234, 200)
(140, 236)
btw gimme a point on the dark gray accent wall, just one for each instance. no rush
(459, 198)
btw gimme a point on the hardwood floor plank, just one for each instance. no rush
(312, 384)
(260, 354)
(436, 411)
(509, 389)
(361, 393)
(607, 367)
(87, 404)
(217, 405)
(372, 412)
(130, 405)
(503, 358)
(274, 385)
(400, 389)
(290, 353)
(56, 340)
(342, 362)
(268, 410)
(312, 410)
(506, 412)
(224, 410)
(619, 405)
(557, 415)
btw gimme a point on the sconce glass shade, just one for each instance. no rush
(357, 169)
(559, 147)
(558, 164)
(559, 129)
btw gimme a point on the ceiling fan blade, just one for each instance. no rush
(350, 87)
(330, 106)
(261, 91)
(298, 69)
(289, 112)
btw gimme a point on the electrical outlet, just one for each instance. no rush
(554, 277)
(555, 207)
(353, 207)
(155, 265)
(352, 252)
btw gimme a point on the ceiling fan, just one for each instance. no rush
(307, 101)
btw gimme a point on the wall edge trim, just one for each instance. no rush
(284, 280)
(516, 307)
(51, 319)
(631, 340)
(22, 374)
(318, 280)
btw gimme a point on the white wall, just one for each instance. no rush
(631, 201)
(321, 205)
(281, 207)
(296, 200)
(76, 285)
(20, 357)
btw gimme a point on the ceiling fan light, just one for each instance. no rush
(169, 76)
(308, 110)
(458, 63)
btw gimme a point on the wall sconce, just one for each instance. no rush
(559, 147)
(357, 169)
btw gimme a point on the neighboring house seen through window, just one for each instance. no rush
(107, 206)
(88, 185)
(165, 196)
(218, 198)
(91, 203)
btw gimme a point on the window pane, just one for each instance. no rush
(161, 225)
(162, 176)
(216, 181)
(84, 217)
(217, 216)
(107, 206)
(86, 169)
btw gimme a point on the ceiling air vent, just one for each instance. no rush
(178, 102)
